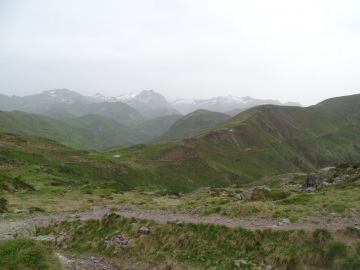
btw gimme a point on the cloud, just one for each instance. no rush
(288, 50)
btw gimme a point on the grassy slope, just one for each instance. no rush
(193, 124)
(153, 128)
(263, 141)
(209, 246)
(266, 140)
(101, 132)
(89, 131)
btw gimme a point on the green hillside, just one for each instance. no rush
(100, 132)
(153, 128)
(90, 131)
(117, 111)
(194, 124)
(266, 140)
(263, 141)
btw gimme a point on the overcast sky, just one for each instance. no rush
(288, 50)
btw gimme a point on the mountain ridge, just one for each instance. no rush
(148, 102)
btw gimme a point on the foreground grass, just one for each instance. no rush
(209, 246)
(26, 254)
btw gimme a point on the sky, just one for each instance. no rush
(289, 50)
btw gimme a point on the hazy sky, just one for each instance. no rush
(289, 50)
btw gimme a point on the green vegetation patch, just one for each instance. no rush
(208, 245)
(26, 254)
(3, 205)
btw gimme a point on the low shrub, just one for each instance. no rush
(20, 254)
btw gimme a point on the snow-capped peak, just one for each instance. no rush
(126, 97)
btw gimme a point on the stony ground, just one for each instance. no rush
(25, 226)
(332, 221)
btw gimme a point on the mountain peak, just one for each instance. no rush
(63, 95)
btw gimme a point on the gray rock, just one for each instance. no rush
(285, 221)
(119, 241)
(46, 238)
(65, 262)
(268, 267)
(238, 197)
(247, 194)
(21, 211)
(60, 239)
(144, 230)
(238, 263)
(179, 222)
(11, 230)
(310, 189)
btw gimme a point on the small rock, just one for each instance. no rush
(66, 263)
(47, 238)
(144, 230)
(60, 239)
(353, 210)
(238, 263)
(280, 223)
(285, 221)
(179, 222)
(268, 267)
(21, 211)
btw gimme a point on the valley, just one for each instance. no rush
(273, 187)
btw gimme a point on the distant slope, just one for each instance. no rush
(194, 124)
(45, 161)
(101, 132)
(262, 141)
(60, 103)
(153, 128)
(91, 131)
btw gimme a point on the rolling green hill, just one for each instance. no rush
(89, 131)
(265, 140)
(194, 124)
(117, 111)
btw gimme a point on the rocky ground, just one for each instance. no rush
(25, 226)
(333, 221)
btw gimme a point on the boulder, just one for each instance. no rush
(11, 230)
(144, 230)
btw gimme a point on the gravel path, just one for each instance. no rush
(333, 221)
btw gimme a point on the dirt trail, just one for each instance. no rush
(332, 222)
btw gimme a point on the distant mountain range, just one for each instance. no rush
(148, 102)
(100, 122)
(226, 104)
